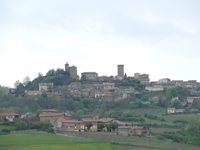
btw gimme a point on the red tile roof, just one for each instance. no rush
(52, 110)
(136, 127)
(51, 115)
(69, 121)
(105, 120)
(125, 127)
(107, 83)
(9, 114)
(194, 97)
(91, 120)
(171, 108)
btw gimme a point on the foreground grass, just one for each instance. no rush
(93, 142)
(49, 142)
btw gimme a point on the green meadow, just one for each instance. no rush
(59, 142)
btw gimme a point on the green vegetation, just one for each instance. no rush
(3, 88)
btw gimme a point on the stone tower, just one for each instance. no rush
(66, 66)
(120, 70)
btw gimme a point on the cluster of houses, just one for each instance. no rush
(65, 122)
(191, 85)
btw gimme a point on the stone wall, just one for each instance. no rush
(23, 131)
(86, 133)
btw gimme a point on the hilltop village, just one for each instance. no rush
(114, 105)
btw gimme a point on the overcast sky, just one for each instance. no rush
(160, 38)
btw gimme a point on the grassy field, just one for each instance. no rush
(93, 142)
(171, 118)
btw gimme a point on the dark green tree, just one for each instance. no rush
(83, 77)
(103, 108)
(88, 125)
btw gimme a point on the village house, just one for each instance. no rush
(75, 86)
(171, 110)
(45, 86)
(144, 79)
(70, 125)
(190, 99)
(108, 86)
(30, 117)
(141, 130)
(179, 110)
(164, 80)
(9, 91)
(107, 120)
(90, 75)
(93, 128)
(124, 130)
(51, 117)
(9, 116)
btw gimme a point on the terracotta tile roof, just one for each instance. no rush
(9, 114)
(194, 97)
(51, 114)
(91, 120)
(51, 110)
(69, 121)
(125, 127)
(171, 108)
(68, 115)
(136, 127)
(104, 120)
(89, 73)
(107, 83)
(122, 123)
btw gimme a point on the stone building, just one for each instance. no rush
(45, 86)
(120, 70)
(51, 117)
(90, 75)
(72, 70)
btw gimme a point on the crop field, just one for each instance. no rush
(93, 142)
(187, 117)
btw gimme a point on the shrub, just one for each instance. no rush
(50, 130)
(5, 130)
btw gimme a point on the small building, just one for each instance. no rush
(171, 110)
(51, 117)
(31, 117)
(190, 99)
(107, 120)
(141, 130)
(144, 79)
(164, 80)
(75, 86)
(90, 75)
(108, 86)
(179, 110)
(68, 127)
(59, 125)
(124, 130)
(9, 91)
(45, 86)
(93, 128)
(9, 116)
(117, 78)
(163, 85)
(98, 86)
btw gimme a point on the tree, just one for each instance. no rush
(88, 125)
(112, 126)
(59, 72)
(103, 108)
(51, 72)
(100, 126)
(26, 80)
(49, 89)
(65, 92)
(40, 75)
(83, 77)
(125, 75)
(16, 84)
(26, 109)
(79, 113)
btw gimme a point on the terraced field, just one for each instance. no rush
(171, 118)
